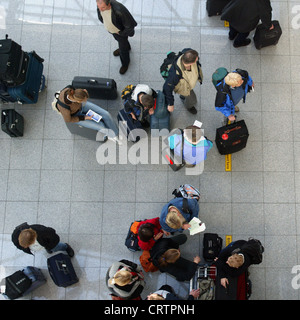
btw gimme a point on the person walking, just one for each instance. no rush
(183, 76)
(120, 23)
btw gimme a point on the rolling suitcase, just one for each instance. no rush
(12, 123)
(204, 279)
(28, 92)
(61, 270)
(264, 37)
(98, 88)
(13, 63)
(128, 126)
(23, 282)
(215, 7)
(175, 162)
(232, 138)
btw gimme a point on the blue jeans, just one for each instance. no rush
(105, 123)
(60, 247)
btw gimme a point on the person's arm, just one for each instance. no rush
(169, 86)
(265, 13)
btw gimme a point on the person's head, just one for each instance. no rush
(27, 237)
(121, 278)
(235, 261)
(103, 5)
(190, 57)
(146, 232)
(155, 296)
(193, 134)
(174, 218)
(170, 256)
(147, 101)
(78, 95)
(234, 79)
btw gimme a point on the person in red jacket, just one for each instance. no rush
(149, 231)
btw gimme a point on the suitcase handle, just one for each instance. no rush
(62, 266)
(92, 81)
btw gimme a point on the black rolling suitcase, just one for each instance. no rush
(264, 37)
(12, 123)
(212, 245)
(13, 63)
(61, 270)
(232, 138)
(215, 7)
(128, 126)
(22, 282)
(174, 161)
(98, 88)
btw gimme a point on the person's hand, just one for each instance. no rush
(272, 27)
(166, 233)
(231, 117)
(186, 226)
(224, 282)
(133, 116)
(158, 236)
(171, 108)
(88, 118)
(151, 111)
(197, 259)
(195, 293)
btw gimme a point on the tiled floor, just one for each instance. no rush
(52, 177)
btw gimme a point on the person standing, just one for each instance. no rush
(243, 17)
(35, 237)
(120, 23)
(182, 79)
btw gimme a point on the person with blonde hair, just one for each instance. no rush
(35, 237)
(125, 280)
(176, 215)
(73, 105)
(231, 90)
(166, 256)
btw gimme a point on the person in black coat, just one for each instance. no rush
(119, 22)
(243, 17)
(165, 255)
(232, 261)
(32, 238)
(166, 292)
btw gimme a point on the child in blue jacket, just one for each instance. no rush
(231, 90)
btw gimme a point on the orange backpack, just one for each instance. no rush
(145, 260)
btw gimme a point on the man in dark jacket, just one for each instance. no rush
(182, 269)
(32, 238)
(243, 16)
(119, 22)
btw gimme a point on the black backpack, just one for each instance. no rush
(212, 245)
(254, 249)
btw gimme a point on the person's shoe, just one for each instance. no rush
(123, 69)
(231, 37)
(70, 251)
(236, 109)
(246, 43)
(116, 53)
(193, 110)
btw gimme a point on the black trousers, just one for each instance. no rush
(124, 47)
(240, 37)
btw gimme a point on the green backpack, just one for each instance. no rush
(219, 75)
